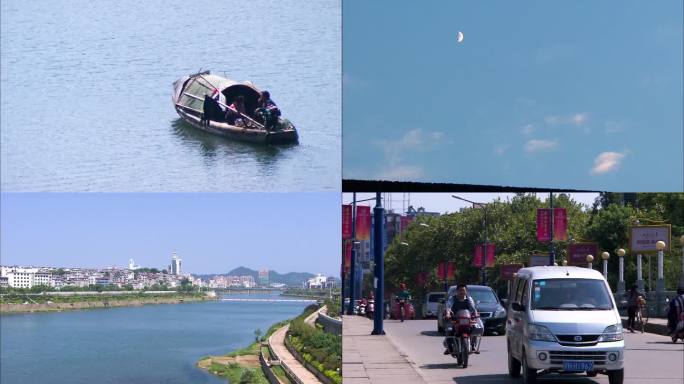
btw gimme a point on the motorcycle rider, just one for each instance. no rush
(403, 297)
(673, 314)
(461, 300)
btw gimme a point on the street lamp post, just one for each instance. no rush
(484, 253)
(640, 272)
(605, 256)
(378, 255)
(352, 267)
(590, 259)
(681, 279)
(621, 278)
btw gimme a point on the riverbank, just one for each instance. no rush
(89, 302)
(243, 365)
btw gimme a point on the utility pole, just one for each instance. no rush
(378, 255)
(352, 267)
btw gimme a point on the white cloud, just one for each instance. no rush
(414, 140)
(501, 149)
(607, 162)
(540, 145)
(580, 118)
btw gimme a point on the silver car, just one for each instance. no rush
(563, 319)
(431, 304)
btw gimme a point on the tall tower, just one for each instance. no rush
(175, 264)
(131, 264)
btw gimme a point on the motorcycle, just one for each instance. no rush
(362, 309)
(370, 309)
(463, 336)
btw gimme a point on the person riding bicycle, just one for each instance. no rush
(461, 300)
(402, 297)
(634, 302)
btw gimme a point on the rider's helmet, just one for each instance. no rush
(402, 286)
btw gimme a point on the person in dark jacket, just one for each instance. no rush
(633, 302)
(267, 111)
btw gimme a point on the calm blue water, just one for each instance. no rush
(149, 344)
(86, 93)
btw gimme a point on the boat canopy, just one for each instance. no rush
(190, 91)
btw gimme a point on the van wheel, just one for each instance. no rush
(513, 365)
(529, 374)
(616, 377)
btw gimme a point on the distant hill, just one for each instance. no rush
(290, 278)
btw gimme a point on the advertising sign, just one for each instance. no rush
(539, 260)
(479, 254)
(643, 238)
(346, 222)
(450, 270)
(507, 271)
(560, 224)
(577, 253)
(347, 255)
(363, 222)
(543, 224)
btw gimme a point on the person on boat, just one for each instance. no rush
(267, 111)
(236, 111)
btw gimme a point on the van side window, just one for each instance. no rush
(518, 290)
(525, 296)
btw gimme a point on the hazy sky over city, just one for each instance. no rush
(211, 232)
(556, 94)
(443, 202)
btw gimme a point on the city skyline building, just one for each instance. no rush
(175, 264)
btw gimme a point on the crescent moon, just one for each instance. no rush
(459, 37)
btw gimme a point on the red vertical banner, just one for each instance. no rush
(560, 224)
(421, 279)
(441, 271)
(508, 271)
(543, 224)
(490, 255)
(478, 258)
(450, 270)
(347, 255)
(405, 221)
(346, 222)
(363, 222)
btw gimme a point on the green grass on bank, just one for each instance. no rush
(322, 350)
(237, 374)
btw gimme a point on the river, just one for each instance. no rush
(86, 94)
(148, 344)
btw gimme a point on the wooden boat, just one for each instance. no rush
(190, 100)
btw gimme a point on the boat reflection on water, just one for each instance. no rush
(212, 146)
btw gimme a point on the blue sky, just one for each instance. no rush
(575, 94)
(212, 233)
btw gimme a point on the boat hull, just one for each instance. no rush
(245, 134)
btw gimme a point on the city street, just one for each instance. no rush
(649, 358)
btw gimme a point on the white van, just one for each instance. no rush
(563, 319)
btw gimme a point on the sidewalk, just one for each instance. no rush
(372, 359)
(654, 325)
(277, 341)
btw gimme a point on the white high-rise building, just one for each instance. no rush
(131, 264)
(175, 264)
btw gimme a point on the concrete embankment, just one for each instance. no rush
(93, 304)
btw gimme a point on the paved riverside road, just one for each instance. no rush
(649, 358)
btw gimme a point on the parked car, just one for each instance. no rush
(563, 319)
(488, 305)
(431, 304)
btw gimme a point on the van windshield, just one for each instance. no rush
(435, 297)
(570, 294)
